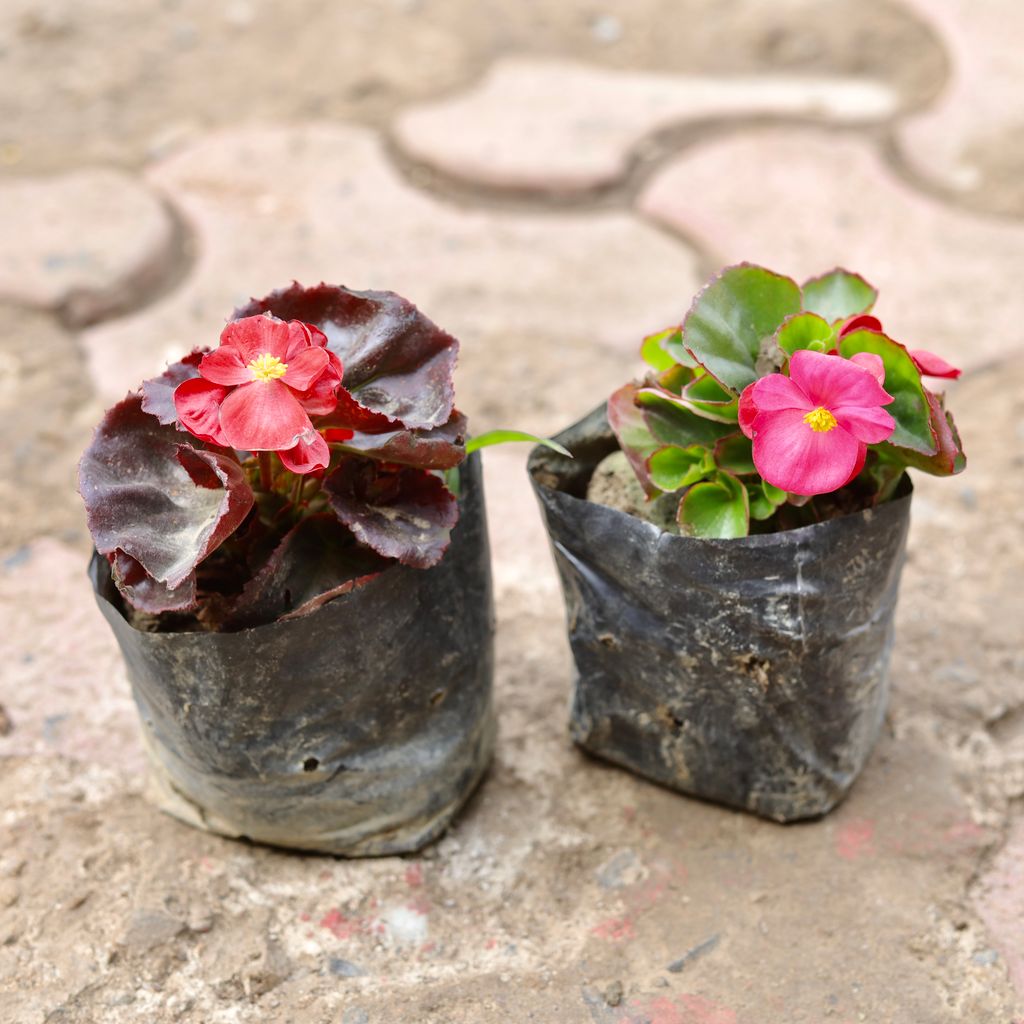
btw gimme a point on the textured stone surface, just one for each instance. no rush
(999, 897)
(86, 243)
(64, 687)
(971, 140)
(320, 203)
(45, 421)
(801, 202)
(184, 67)
(553, 126)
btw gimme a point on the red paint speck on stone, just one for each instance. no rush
(414, 876)
(490, 943)
(615, 929)
(304, 916)
(325, 876)
(856, 839)
(338, 925)
(684, 1009)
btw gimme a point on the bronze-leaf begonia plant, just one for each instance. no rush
(317, 445)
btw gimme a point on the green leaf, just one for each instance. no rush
(735, 454)
(665, 349)
(732, 315)
(718, 508)
(805, 330)
(718, 404)
(948, 459)
(493, 437)
(765, 498)
(629, 424)
(672, 422)
(675, 378)
(672, 467)
(452, 479)
(910, 408)
(838, 295)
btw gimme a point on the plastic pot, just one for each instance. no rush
(752, 672)
(359, 729)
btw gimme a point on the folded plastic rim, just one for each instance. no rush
(359, 729)
(751, 672)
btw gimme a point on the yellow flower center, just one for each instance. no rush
(820, 420)
(267, 367)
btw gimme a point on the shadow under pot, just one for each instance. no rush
(752, 672)
(359, 729)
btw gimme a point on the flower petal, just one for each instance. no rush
(870, 425)
(305, 367)
(863, 322)
(792, 456)
(255, 335)
(747, 410)
(263, 416)
(777, 391)
(308, 455)
(871, 362)
(224, 366)
(831, 382)
(198, 403)
(932, 365)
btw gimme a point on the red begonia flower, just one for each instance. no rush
(932, 365)
(811, 429)
(257, 390)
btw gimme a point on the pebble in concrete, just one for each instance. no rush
(801, 201)
(509, 132)
(971, 141)
(322, 202)
(85, 243)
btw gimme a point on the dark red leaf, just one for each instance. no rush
(441, 448)
(144, 592)
(397, 362)
(317, 560)
(158, 392)
(397, 511)
(139, 484)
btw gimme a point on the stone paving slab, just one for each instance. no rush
(971, 141)
(86, 243)
(802, 201)
(556, 127)
(322, 203)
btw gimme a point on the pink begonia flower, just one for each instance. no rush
(927, 363)
(811, 429)
(257, 390)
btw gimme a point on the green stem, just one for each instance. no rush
(297, 491)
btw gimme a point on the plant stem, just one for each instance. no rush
(297, 490)
(266, 472)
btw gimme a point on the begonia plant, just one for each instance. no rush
(315, 446)
(775, 405)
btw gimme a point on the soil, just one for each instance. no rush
(615, 484)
